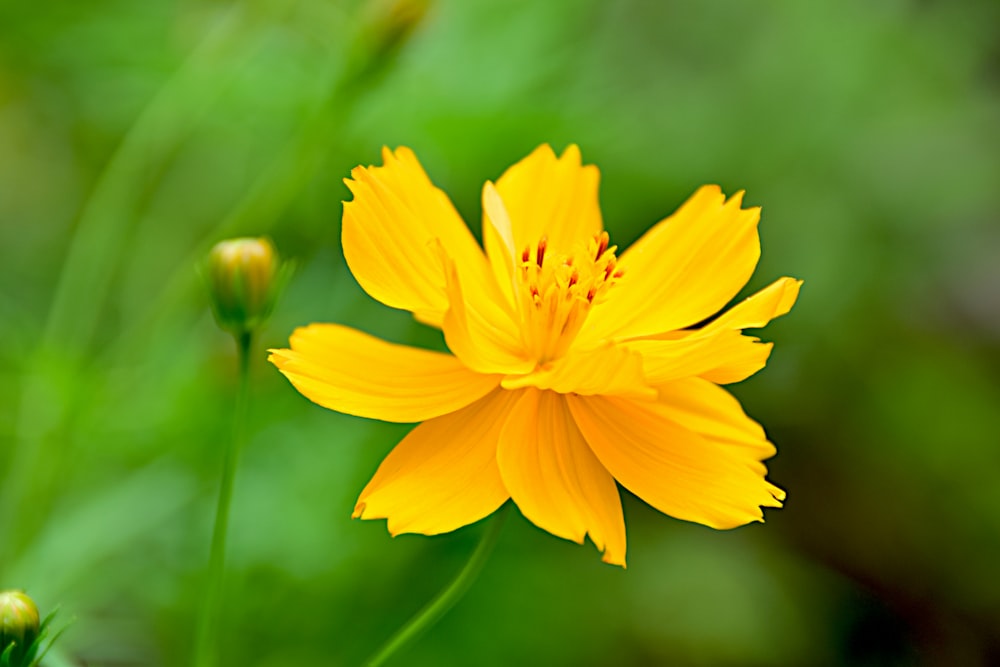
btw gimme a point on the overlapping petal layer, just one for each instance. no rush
(480, 332)
(349, 371)
(608, 370)
(683, 270)
(554, 477)
(718, 351)
(389, 230)
(444, 474)
(548, 196)
(674, 469)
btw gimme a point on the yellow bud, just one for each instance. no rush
(19, 624)
(243, 279)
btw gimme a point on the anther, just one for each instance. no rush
(540, 253)
(526, 255)
(602, 244)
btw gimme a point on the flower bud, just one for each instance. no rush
(243, 280)
(19, 624)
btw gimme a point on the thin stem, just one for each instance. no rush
(206, 644)
(448, 596)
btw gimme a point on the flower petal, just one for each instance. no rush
(548, 196)
(349, 371)
(480, 330)
(758, 309)
(554, 477)
(714, 414)
(671, 467)
(444, 474)
(683, 270)
(387, 232)
(498, 238)
(670, 359)
(717, 351)
(610, 369)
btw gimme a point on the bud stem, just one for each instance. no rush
(448, 596)
(207, 640)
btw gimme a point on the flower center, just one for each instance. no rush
(555, 292)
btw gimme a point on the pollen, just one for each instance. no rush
(557, 291)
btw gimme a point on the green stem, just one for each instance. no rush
(448, 596)
(206, 643)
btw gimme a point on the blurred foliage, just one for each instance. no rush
(135, 135)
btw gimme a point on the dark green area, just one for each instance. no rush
(133, 135)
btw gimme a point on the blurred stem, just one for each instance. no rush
(207, 640)
(83, 285)
(448, 596)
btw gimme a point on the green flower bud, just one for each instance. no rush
(244, 280)
(19, 624)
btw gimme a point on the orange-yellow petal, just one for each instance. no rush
(610, 370)
(349, 371)
(672, 468)
(714, 414)
(480, 330)
(388, 233)
(545, 195)
(742, 358)
(498, 238)
(683, 270)
(554, 477)
(444, 474)
(717, 351)
(758, 309)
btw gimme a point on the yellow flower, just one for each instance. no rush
(571, 367)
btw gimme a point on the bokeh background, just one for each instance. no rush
(133, 135)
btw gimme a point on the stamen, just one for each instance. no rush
(557, 293)
(602, 244)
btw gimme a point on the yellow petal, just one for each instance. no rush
(498, 238)
(610, 369)
(554, 478)
(671, 467)
(444, 474)
(349, 371)
(714, 414)
(480, 330)
(670, 359)
(388, 231)
(683, 270)
(547, 196)
(757, 310)
(744, 357)
(717, 351)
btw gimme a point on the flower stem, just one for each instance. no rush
(448, 596)
(206, 642)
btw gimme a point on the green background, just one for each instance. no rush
(134, 135)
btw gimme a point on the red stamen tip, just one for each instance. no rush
(540, 253)
(602, 244)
